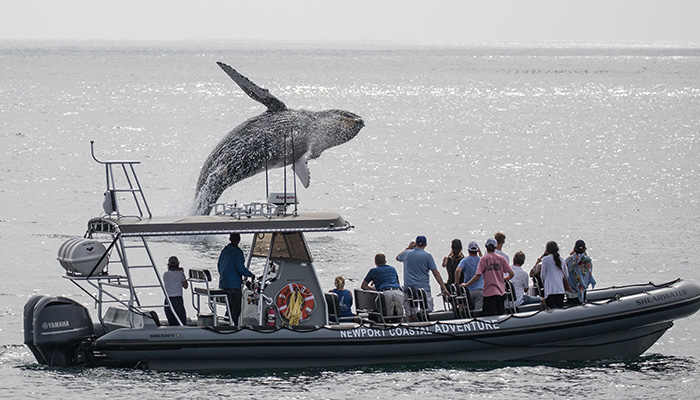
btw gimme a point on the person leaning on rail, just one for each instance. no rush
(386, 280)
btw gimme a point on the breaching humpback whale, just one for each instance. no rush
(276, 138)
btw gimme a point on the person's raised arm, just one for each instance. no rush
(410, 247)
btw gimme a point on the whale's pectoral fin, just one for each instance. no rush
(301, 168)
(254, 91)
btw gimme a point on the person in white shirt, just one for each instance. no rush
(554, 276)
(521, 282)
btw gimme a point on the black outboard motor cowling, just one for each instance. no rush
(29, 326)
(56, 330)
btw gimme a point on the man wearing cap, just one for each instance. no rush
(385, 279)
(580, 274)
(232, 268)
(493, 267)
(417, 263)
(464, 272)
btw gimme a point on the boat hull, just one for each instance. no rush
(615, 328)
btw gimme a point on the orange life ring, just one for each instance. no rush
(287, 293)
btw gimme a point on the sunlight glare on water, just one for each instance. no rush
(460, 142)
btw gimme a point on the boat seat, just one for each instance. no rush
(419, 301)
(448, 302)
(199, 285)
(510, 298)
(538, 286)
(333, 303)
(373, 303)
(463, 304)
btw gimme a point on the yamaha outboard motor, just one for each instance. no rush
(56, 330)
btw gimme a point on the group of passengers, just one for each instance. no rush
(485, 276)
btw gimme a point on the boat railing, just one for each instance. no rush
(268, 210)
(127, 184)
(137, 286)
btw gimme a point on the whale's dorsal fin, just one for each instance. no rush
(255, 92)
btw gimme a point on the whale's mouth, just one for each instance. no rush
(352, 121)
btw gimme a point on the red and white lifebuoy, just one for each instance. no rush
(288, 307)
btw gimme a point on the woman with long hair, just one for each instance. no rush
(452, 261)
(554, 275)
(580, 269)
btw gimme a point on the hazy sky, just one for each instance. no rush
(408, 21)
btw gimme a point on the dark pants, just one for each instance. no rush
(573, 302)
(234, 302)
(555, 301)
(493, 305)
(179, 307)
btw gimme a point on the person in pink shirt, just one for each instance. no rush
(493, 267)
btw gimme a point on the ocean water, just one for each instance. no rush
(543, 143)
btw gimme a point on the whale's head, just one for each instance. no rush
(332, 128)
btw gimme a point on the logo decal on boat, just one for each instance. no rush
(660, 297)
(55, 324)
(401, 331)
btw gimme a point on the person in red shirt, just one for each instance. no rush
(493, 268)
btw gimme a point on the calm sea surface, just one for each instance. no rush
(561, 143)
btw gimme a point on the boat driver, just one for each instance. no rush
(232, 268)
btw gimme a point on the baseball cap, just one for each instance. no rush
(421, 241)
(491, 242)
(173, 262)
(472, 246)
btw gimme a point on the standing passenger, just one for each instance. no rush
(452, 261)
(500, 241)
(386, 280)
(554, 276)
(232, 268)
(417, 264)
(466, 270)
(174, 281)
(580, 269)
(493, 268)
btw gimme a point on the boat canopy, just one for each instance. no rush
(218, 224)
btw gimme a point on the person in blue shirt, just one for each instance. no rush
(232, 268)
(344, 297)
(466, 270)
(385, 280)
(417, 266)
